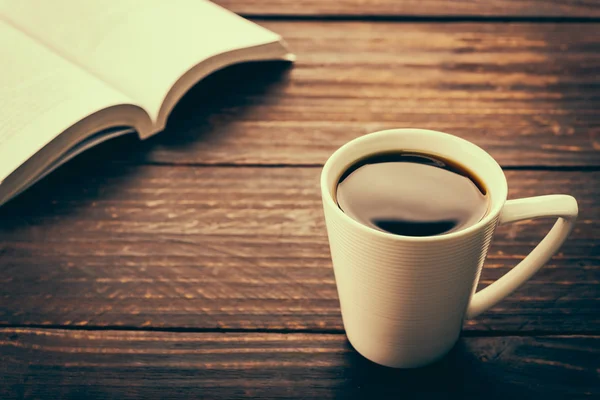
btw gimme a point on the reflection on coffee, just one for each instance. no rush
(411, 194)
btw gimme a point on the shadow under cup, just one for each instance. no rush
(403, 298)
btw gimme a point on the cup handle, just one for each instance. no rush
(563, 207)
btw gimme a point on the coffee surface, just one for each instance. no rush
(411, 194)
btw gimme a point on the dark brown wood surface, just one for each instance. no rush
(244, 248)
(113, 364)
(196, 264)
(416, 8)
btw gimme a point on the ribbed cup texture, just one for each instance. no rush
(403, 301)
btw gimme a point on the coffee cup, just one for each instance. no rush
(404, 299)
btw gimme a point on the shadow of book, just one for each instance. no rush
(202, 117)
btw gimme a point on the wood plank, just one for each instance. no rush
(111, 364)
(433, 8)
(527, 93)
(242, 248)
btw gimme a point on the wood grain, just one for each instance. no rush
(242, 248)
(435, 8)
(527, 93)
(108, 364)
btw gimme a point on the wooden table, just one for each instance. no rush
(196, 264)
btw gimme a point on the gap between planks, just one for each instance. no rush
(119, 328)
(420, 18)
(558, 168)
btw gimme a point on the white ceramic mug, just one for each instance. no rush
(404, 299)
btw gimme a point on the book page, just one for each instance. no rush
(139, 47)
(41, 95)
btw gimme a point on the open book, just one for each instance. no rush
(76, 73)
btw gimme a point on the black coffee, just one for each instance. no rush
(411, 194)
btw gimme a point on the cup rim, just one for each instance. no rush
(496, 205)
